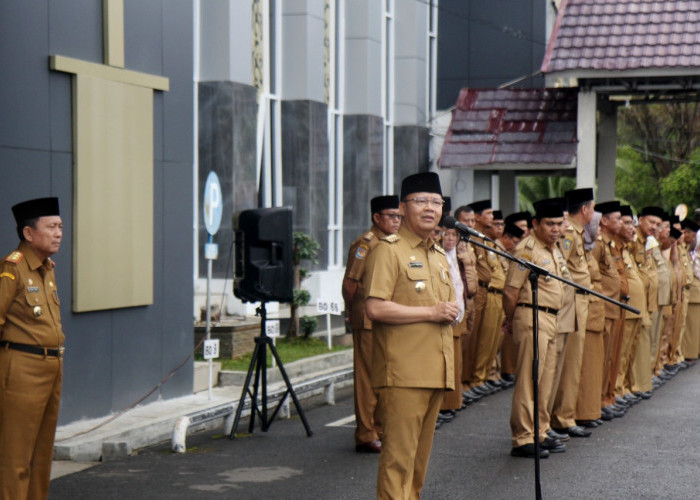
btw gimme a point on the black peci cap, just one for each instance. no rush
(607, 207)
(518, 216)
(424, 182)
(33, 209)
(579, 196)
(550, 208)
(655, 211)
(497, 215)
(480, 206)
(513, 230)
(383, 202)
(690, 225)
(626, 210)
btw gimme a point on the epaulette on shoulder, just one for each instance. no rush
(530, 243)
(599, 237)
(368, 235)
(391, 238)
(15, 257)
(440, 249)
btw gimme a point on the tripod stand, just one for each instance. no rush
(258, 365)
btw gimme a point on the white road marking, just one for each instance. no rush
(342, 421)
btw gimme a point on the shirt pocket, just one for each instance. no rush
(37, 306)
(419, 286)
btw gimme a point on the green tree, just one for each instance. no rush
(532, 189)
(657, 161)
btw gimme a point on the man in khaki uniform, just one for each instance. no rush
(691, 336)
(411, 302)
(644, 253)
(614, 285)
(539, 248)
(31, 352)
(638, 300)
(581, 210)
(467, 256)
(386, 218)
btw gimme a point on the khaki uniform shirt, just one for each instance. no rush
(498, 274)
(468, 259)
(595, 321)
(572, 250)
(646, 270)
(549, 289)
(609, 274)
(664, 276)
(637, 292)
(406, 270)
(29, 304)
(355, 269)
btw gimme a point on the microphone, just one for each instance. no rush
(451, 223)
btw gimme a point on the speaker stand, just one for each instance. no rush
(258, 366)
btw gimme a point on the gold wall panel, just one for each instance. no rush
(113, 194)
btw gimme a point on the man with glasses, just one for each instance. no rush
(386, 219)
(411, 302)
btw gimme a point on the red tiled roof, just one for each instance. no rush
(512, 127)
(620, 35)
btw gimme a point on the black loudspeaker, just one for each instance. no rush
(263, 264)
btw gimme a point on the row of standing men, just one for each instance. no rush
(596, 358)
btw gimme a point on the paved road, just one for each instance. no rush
(653, 452)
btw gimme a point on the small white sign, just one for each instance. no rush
(211, 349)
(272, 328)
(323, 306)
(211, 251)
(335, 308)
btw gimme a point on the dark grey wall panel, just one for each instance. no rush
(362, 175)
(410, 152)
(177, 65)
(175, 323)
(24, 96)
(486, 44)
(227, 135)
(113, 357)
(76, 28)
(305, 169)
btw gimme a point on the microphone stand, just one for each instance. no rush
(535, 273)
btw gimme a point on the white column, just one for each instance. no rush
(586, 152)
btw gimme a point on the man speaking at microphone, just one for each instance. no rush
(411, 302)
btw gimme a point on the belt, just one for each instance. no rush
(495, 290)
(549, 310)
(33, 349)
(581, 292)
(483, 284)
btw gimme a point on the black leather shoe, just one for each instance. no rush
(507, 383)
(492, 385)
(620, 401)
(508, 377)
(599, 421)
(610, 412)
(575, 431)
(644, 395)
(588, 424)
(474, 395)
(672, 369)
(632, 398)
(495, 383)
(553, 445)
(371, 447)
(665, 375)
(528, 451)
(484, 390)
(559, 437)
(446, 416)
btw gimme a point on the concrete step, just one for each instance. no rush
(295, 369)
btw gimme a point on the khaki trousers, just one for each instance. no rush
(667, 330)
(366, 425)
(452, 400)
(522, 422)
(509, 355)
(656, 339)
(690, 345)
(630, 336)
(475, 310)
(591, 386)
(613, 346)
(408, 416)
(30, 393)
(641, 362)
(564, 413)
(489, 338)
